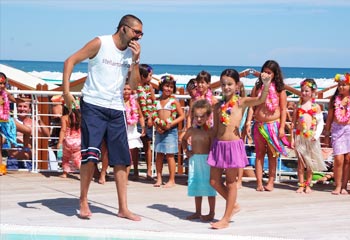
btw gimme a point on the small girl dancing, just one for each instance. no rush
(199, 170)
(308, 123)
(338, 121)
(70, 139)
(7, 125)
(269, 124)
(166, 116)
(227, 151)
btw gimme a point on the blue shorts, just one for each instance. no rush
(98, 124)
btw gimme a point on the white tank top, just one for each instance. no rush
(107, 73)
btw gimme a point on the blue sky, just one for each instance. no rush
(300, 33)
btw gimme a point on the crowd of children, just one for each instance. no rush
(214, 135)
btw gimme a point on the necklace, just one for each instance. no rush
(307, 133)
(208, 96)
(271, 99)
(5, 107)
(146, 103)
(226, 109)
(132, 115)
(173, 113)
(342, 116)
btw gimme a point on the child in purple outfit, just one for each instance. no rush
(227, 151)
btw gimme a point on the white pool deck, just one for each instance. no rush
(43, 203)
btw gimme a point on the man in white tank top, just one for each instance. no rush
(112, 59)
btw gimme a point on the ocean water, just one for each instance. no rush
(52, 72)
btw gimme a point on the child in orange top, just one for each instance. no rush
(70, 139)
(308, 122)
(227, 151)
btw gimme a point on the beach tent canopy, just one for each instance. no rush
(23, 80)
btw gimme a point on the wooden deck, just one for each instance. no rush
(42, 203)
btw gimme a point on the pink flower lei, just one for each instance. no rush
(208, 95)
(271, 99)
(5, 107)
(339, 108)
(132, 115)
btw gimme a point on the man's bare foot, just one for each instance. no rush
(207, 218)
(344, 192)
(194, 216)
(300, 190)
(308, 189)
(219, 224)
(260, 188)
(169, 185)
(84, 212)
(129, 215)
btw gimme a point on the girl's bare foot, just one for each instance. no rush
(102, 179)
(194, 216)
(269, 187)
(207, 218)
(336, 191)
(308, 189)
(344, 192)
(157, 184)
(129, 215)
(260, 188)
(169, 185)
(84, 212)
(239, 184)
(300, 190)
(63, 175)
(219, 224)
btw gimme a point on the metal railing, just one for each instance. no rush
(42, 155)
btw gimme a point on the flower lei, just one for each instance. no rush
(339, 114)
(144, 94)
(226, 109)
(271, 99)
(5, 108)
(307, 133)
(208, 96)
(161, 122)
(132, 115)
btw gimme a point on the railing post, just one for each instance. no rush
(43, 143)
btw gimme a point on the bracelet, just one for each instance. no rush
(134, 62)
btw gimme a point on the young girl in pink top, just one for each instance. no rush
(338, 121)
(70, 139)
